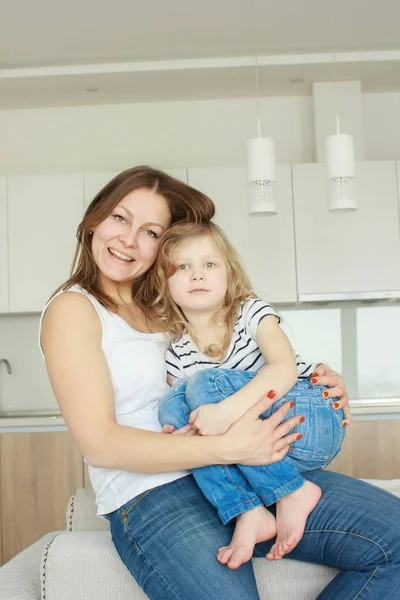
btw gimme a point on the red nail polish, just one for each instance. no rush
(271, 394)
(299, 436)
(325, 394)
(313, 380)
(314, 374)
(291, 404)
(345, 424)
(302, 419)
(336, 404)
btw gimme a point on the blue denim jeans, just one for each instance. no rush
(168, 538)
(234, 489)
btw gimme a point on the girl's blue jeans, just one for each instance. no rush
(234, 489)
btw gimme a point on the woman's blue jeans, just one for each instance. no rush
(234, 489)
(168, 538)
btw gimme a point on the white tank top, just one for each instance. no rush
(138, 373)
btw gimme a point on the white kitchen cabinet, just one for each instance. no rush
(348, 255)
(398, 185)
(94, 182)
(43, 214)
(265, 243)
(3, 247)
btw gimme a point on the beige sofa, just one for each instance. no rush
(81, 563)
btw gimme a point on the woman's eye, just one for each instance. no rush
(119, 218)
(152, 234)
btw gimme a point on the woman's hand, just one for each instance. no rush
(187, 430)
(252, 441)
(324, 375)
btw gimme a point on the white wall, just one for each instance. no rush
(382, 126)
(176, 134)
(27, 388)
(187, 134)
(173, 134)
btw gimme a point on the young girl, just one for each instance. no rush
(222, 339)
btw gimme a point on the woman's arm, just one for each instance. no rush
(79, 375)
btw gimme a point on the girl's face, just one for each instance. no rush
(126, 243)
(200, 281)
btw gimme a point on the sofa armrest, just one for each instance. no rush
(85, 565)
(81, 512)
(20, 577)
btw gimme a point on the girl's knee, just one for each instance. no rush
(200, 388)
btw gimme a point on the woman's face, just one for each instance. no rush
(126, 243)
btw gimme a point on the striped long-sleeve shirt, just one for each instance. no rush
(183, 358)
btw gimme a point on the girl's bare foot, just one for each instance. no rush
(291, 516)
(253, 526)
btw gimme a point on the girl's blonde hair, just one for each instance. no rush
(239, 289)
(184, 202)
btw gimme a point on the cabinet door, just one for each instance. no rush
(3, 247)
(265, 243)
(39, 472)
(370, 450)
(93, 182)
(353, 254)
(43, 214)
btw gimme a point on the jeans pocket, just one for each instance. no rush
(307, 461)
(128, 506)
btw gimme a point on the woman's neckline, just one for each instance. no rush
(144, 333)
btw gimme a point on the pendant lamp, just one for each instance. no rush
(340, 164)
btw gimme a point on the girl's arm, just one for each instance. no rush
(274, 380)
(79, 375)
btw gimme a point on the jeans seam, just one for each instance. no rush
(366, 583)
(227, 515)
(354, 534)
(214, 379)
(145, 558)
(235, 483)
(282, 491)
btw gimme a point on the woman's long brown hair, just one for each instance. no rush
(185, 203)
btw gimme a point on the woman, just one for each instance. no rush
(105, 359)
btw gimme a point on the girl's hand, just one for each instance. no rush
(211, 419)
(251, 441)
(324, 375)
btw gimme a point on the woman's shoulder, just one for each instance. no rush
(72, 305)
(69, 319)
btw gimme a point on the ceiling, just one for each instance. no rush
(152, 51)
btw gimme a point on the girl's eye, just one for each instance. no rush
(182, 267)
(119, 218)
(209, 265)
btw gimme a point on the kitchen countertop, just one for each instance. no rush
(362, 409)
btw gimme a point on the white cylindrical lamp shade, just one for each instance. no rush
(261, 176)
(340, 163)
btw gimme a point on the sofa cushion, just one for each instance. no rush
(85, 566)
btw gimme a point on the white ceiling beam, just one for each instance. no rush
(202, 63)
